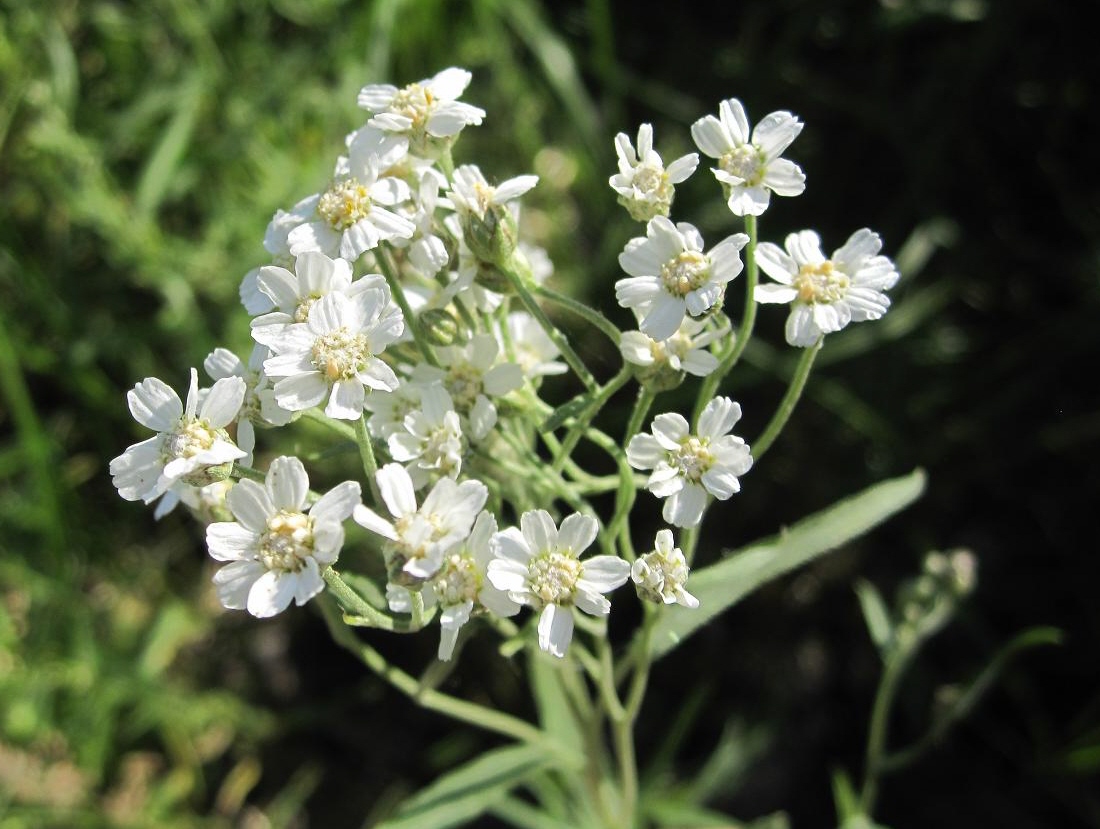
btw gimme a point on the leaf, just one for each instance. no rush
(561, 414)
(845, 798)
(875, 614)
(551, 701)
(470, 790)
(722, 585)
(676, 814)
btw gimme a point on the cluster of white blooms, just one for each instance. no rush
(400, 309)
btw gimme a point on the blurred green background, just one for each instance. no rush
(143, 148)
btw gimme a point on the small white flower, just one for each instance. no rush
(670, 276)
(826, 294)
(352, 215)
(460, 586)
(259, 405)
(422, 111)
(334, 351)
(661, 574)
(533, 348)
(750, 167)
(471, 374)
(431, 442)
(293, 292)
(191, 444)
(277, 548)
(685, 466)
(419, 537)
(683, 351)
(471, 193)
(539, 565)
(645, 187)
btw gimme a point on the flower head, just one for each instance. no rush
(419, 536)
(539, 565)
(333, 353)
(277, 548)
(431, 440)
(826, 294)
(750, 167)
(685, 466)
(660, 575)
(191, 445)
(671, 275)
(645, 187)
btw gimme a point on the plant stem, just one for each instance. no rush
(366, 453)
(389, 271)
(744, 334)
(876, 737)
(581, 424)
(317, 416)
(590, 315)
(789, 401)
(627, 490)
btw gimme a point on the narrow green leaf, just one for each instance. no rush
(470, 790)
(525, 816)
(561, 414)
(845, 797)
(875, 614)
(720, 586)
(668, 813)
(165, 159)
(555, 715)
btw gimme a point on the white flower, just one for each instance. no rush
(685, 466)
(644, 186)
(683, 351)
(471, 374)
(826, 294)
(335, 350)
(259, 405)
(671, 276)
(276, 548)
(471, 193)
(460, 586)
(191, 444)
(431, 442)
(539, 565)
(352, 215)
(661, 574)
(419, 537)
(533, 348)
(423, 110)
(750, 167)
(292, 293)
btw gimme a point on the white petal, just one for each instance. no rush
(155, 405)
(539, 530)
(591, 602)
(309, 582)
(511, 545)
(734, 119)
(507, 575)
(301, 391)
(280, 285)
(577, 532)
(805, 248)
(221, 362)
(636, 291)
(604, 573)
(769, 293)
(670, 429)
(369, 519)
(644, 452)
(555, 629)
(287, 484)
(664, 316)
(785, 178)
(234, 582)
(338, 503)
(250, 505)
(776, 263)
(229, 541)
(801, 330)
(721, 483)
(271, 594)
(685, 508)
(346, 400)
(775, 132)
(397, 490)
(710, 137)
(718, 417)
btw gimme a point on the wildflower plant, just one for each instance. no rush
(403, 314)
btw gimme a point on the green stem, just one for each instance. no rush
(364, 613)
(584, 420)
(744, 334)
(590, 315)
(446, 163)
(366, 453)
(628, 490)
(519, 284)
(389, 271)
(789, 401)
(317, 416)
(876, 737)
(241, 472)
(458, 709)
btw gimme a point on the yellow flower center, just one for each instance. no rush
(288, 542)
(344, 203)
(553, 577)
(340, 354)
(188, 439)
(415, 102)
(746, 162)
(686, 273)
(464, 385)
(693, 458)
(458, 580)
(821, 283)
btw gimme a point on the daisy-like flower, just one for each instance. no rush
(420, 536)
(431, 442)
(334, 351)
(422, 111)
(293, 292)
(539, 565)
(671, 276)
(460, 587)
(191, 445)
(645, 187)
(471, 192)
(826, 294)
(661, 574)
(685, 351)
(471, 374)
(685, 466)
(749, 166)
(259, 405)
(277, 548)
(353, 215)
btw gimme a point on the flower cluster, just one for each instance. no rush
(402, 310)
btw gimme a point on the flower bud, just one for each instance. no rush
(493, 236)
(439, 326)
